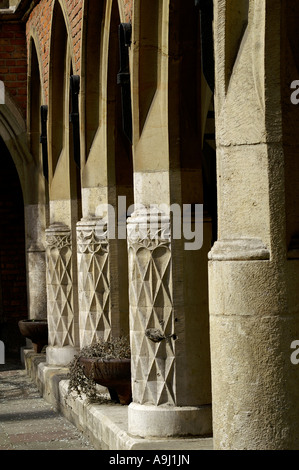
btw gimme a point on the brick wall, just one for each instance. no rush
(39, 23)
(13, 62)
(128, 10)
(76, 15)
(14, 53)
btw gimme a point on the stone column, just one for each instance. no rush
(170, 388)
(64, 205)
(93, 281)
(106, 174)
(168, 283)
(61, 294)
(35, 222)
(102, 282)
(253, 305)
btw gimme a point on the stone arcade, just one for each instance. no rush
(190, 104)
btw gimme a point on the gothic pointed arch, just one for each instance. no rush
(57, 86)
(35, 99)
(13, 133)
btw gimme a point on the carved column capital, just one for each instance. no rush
(92, 235)
(148, 228)
(58, 236)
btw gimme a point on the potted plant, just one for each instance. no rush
(107, 363)
(36, 330)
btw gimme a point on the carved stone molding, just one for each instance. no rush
(60, 286)
(93, 281)
(151, 308)
(242, 249)
(148, 228)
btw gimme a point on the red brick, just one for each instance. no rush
(22, 76)
(10, 78)
(17, 42)
(20, 69)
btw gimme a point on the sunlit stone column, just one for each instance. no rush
(99, 278)
(93, 282)
(253, 304)
(151, 310)
(167, 283)
(106, 174)
(102, 281)
(61, 295)
(164, 404)
(35, 220)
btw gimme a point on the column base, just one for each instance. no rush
(60, 356)
(169, 421)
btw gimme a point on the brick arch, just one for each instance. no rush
(95, 50)
(34, 42)
(59, 44)
(68, 23)
(60, 140)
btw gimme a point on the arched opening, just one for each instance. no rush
(91, 55)
(57, 85)
(194, 107)
(35, 103)
(106, 174)
(74, 145)
(64, 172)
(34, 126)
(150, 32)
(119, 147)
(13, 286)
(120, 162)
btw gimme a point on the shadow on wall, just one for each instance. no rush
(13, 290)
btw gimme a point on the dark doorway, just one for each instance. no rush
(13, 290)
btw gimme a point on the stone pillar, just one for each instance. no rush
(64, 204)
(100, 296)
(93, 282)
(61, 294)
(35, 221)
(168, 284)
(106, 174)
(162, 361)
(253, 305)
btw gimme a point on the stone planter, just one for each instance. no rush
(36, 331)
(114, 374)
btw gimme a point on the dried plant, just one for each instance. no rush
(115, 348)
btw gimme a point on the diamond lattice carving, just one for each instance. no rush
(93, 286)
(151, 307)
(60, 288)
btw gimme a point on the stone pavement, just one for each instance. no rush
(27, 421)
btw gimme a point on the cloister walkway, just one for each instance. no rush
(27, 421)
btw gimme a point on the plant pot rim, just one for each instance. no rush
(33, 320)
(102, 359)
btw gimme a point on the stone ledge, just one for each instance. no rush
(105, 425)
(242, 249)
